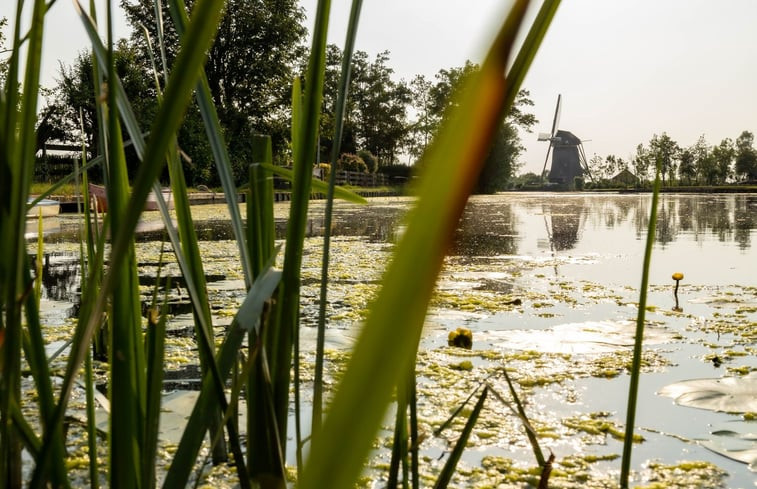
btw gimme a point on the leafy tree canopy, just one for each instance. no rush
(746, 156)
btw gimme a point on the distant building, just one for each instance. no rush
(626, 178)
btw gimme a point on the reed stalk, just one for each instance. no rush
(633, 388)
(339, 109)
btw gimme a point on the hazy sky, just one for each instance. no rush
(626, 69)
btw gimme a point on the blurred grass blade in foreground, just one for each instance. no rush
(387, 346)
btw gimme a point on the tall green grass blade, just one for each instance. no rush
(521, 413)
(89, 382)
(16, 170)
(178, 90)
(449, 467)
(414, 439)
(217, 144)
(155, 343)
(260, 223)
(262, 437)
(86, 237)
(305, 133)
(399, 447)
(633, 388)
(126, 384)
(40, 258)
(246, 320)
(34, 353)
(320, 186)
(193, 267)
(341, 103)
(386, 349)
(528, 49)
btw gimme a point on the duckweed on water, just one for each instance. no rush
(598, 426)
(684, 475)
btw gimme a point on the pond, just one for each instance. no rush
(548, 285)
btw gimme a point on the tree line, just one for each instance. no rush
(698, 164)
(258, 51)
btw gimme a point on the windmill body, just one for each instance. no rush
(568, 158)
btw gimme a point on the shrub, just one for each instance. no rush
(370, 160)
(351, 162)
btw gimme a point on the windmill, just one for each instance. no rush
(568, 157)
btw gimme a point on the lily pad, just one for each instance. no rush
(727, 394)
(736, 446)
(580, 338)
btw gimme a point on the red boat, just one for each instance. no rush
(100, 201)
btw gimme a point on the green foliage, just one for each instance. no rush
(723, 156)
(664, 151)
(248, 101)
(351, 162)
(696, 164)
(73, 95)
(370, 161)
(382, 105)
(706, 166)
(500, 164)
(746, 156)
(687, 166)
(502, 160)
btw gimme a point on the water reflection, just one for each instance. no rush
(487, 228)
(508, 224)
(60, 276)
(726, 218)
(565, 222)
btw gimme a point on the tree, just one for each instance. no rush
(723, 155)
(746, 156)
(328, 107)
(595, 165)
(502, 160)
(687, 168)
(641, 162)
(664, 151)
(74, 96)
(380, 110)
(425, 124)
(610, 167)
(250, 66)
(707, 169)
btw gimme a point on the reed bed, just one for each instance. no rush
(261, 344)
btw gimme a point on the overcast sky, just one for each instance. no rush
(626, 69)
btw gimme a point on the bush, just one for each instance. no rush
(370, 160)
(351, 162)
